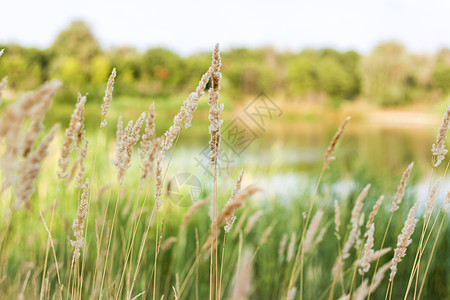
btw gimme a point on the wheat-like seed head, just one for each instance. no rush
(404, 239)
(291, 247)
(332, 146)
(374, 211)
(242, 281)
(282, 248)
(432, 198)
(226, 215)
(311, 232)
(214, 109)
(447, 203)
(359, 204)
(11, 127)
(438, 148)
(265, 235)
(192, 210)
(401, 188)
(71, 133)
(107, 98)
(185, 114)
(167, 243)
(82, 153)
(148, 134)
(368, 250)
(291, 294)
(78, 222)
(125, 149)
(29, 171)
(252, 221)
(337, 217)
(229, 211)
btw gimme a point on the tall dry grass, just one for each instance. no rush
(141, 248)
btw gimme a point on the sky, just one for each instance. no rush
(190, 26)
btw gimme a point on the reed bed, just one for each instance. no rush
(129, 241)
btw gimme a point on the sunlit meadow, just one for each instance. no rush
(93, 207)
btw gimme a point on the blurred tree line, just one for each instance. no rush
(389, 75)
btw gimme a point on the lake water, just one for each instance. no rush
(285, 156)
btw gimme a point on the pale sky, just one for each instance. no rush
(188, 27)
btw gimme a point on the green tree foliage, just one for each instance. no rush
(441, 73)
(385, 74)
(389, 75)
(25, 68)
(76, 41)
(327, 71)
(164, 69)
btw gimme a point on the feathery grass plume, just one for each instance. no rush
(129, 139)
(282, 248)
(291, 247)
(78, 222)
(349, 243)
(107, 98)
(377, 254)
(320, 236)
(242, 219)
(380, 275)
(359, 241)
(119, 133)
(25, 107)
(338, 265)
(447, 203)
(30, 170)
(438, 148)
(71, 133)
(185, 114)
(404, 239)
(228, 210)
(363, 290)
(431, 198)
(231, 205)
(2, 51)
(242, 281)
(359, 204)
(252, 221)
(401, 188)
(11, 126)
(354, 221)
(192, 210)
(3, 85)
(337, 218)
(265, 235)
(214, 109)
(121, 144)
(150, 160)
(374, 211)
(167, 243)
(333, 143)
(146, 144)
(81, 153)
(36, 126)
(311, 231)
(291, 294)
(368, 250)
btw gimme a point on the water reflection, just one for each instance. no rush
(287, 158)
